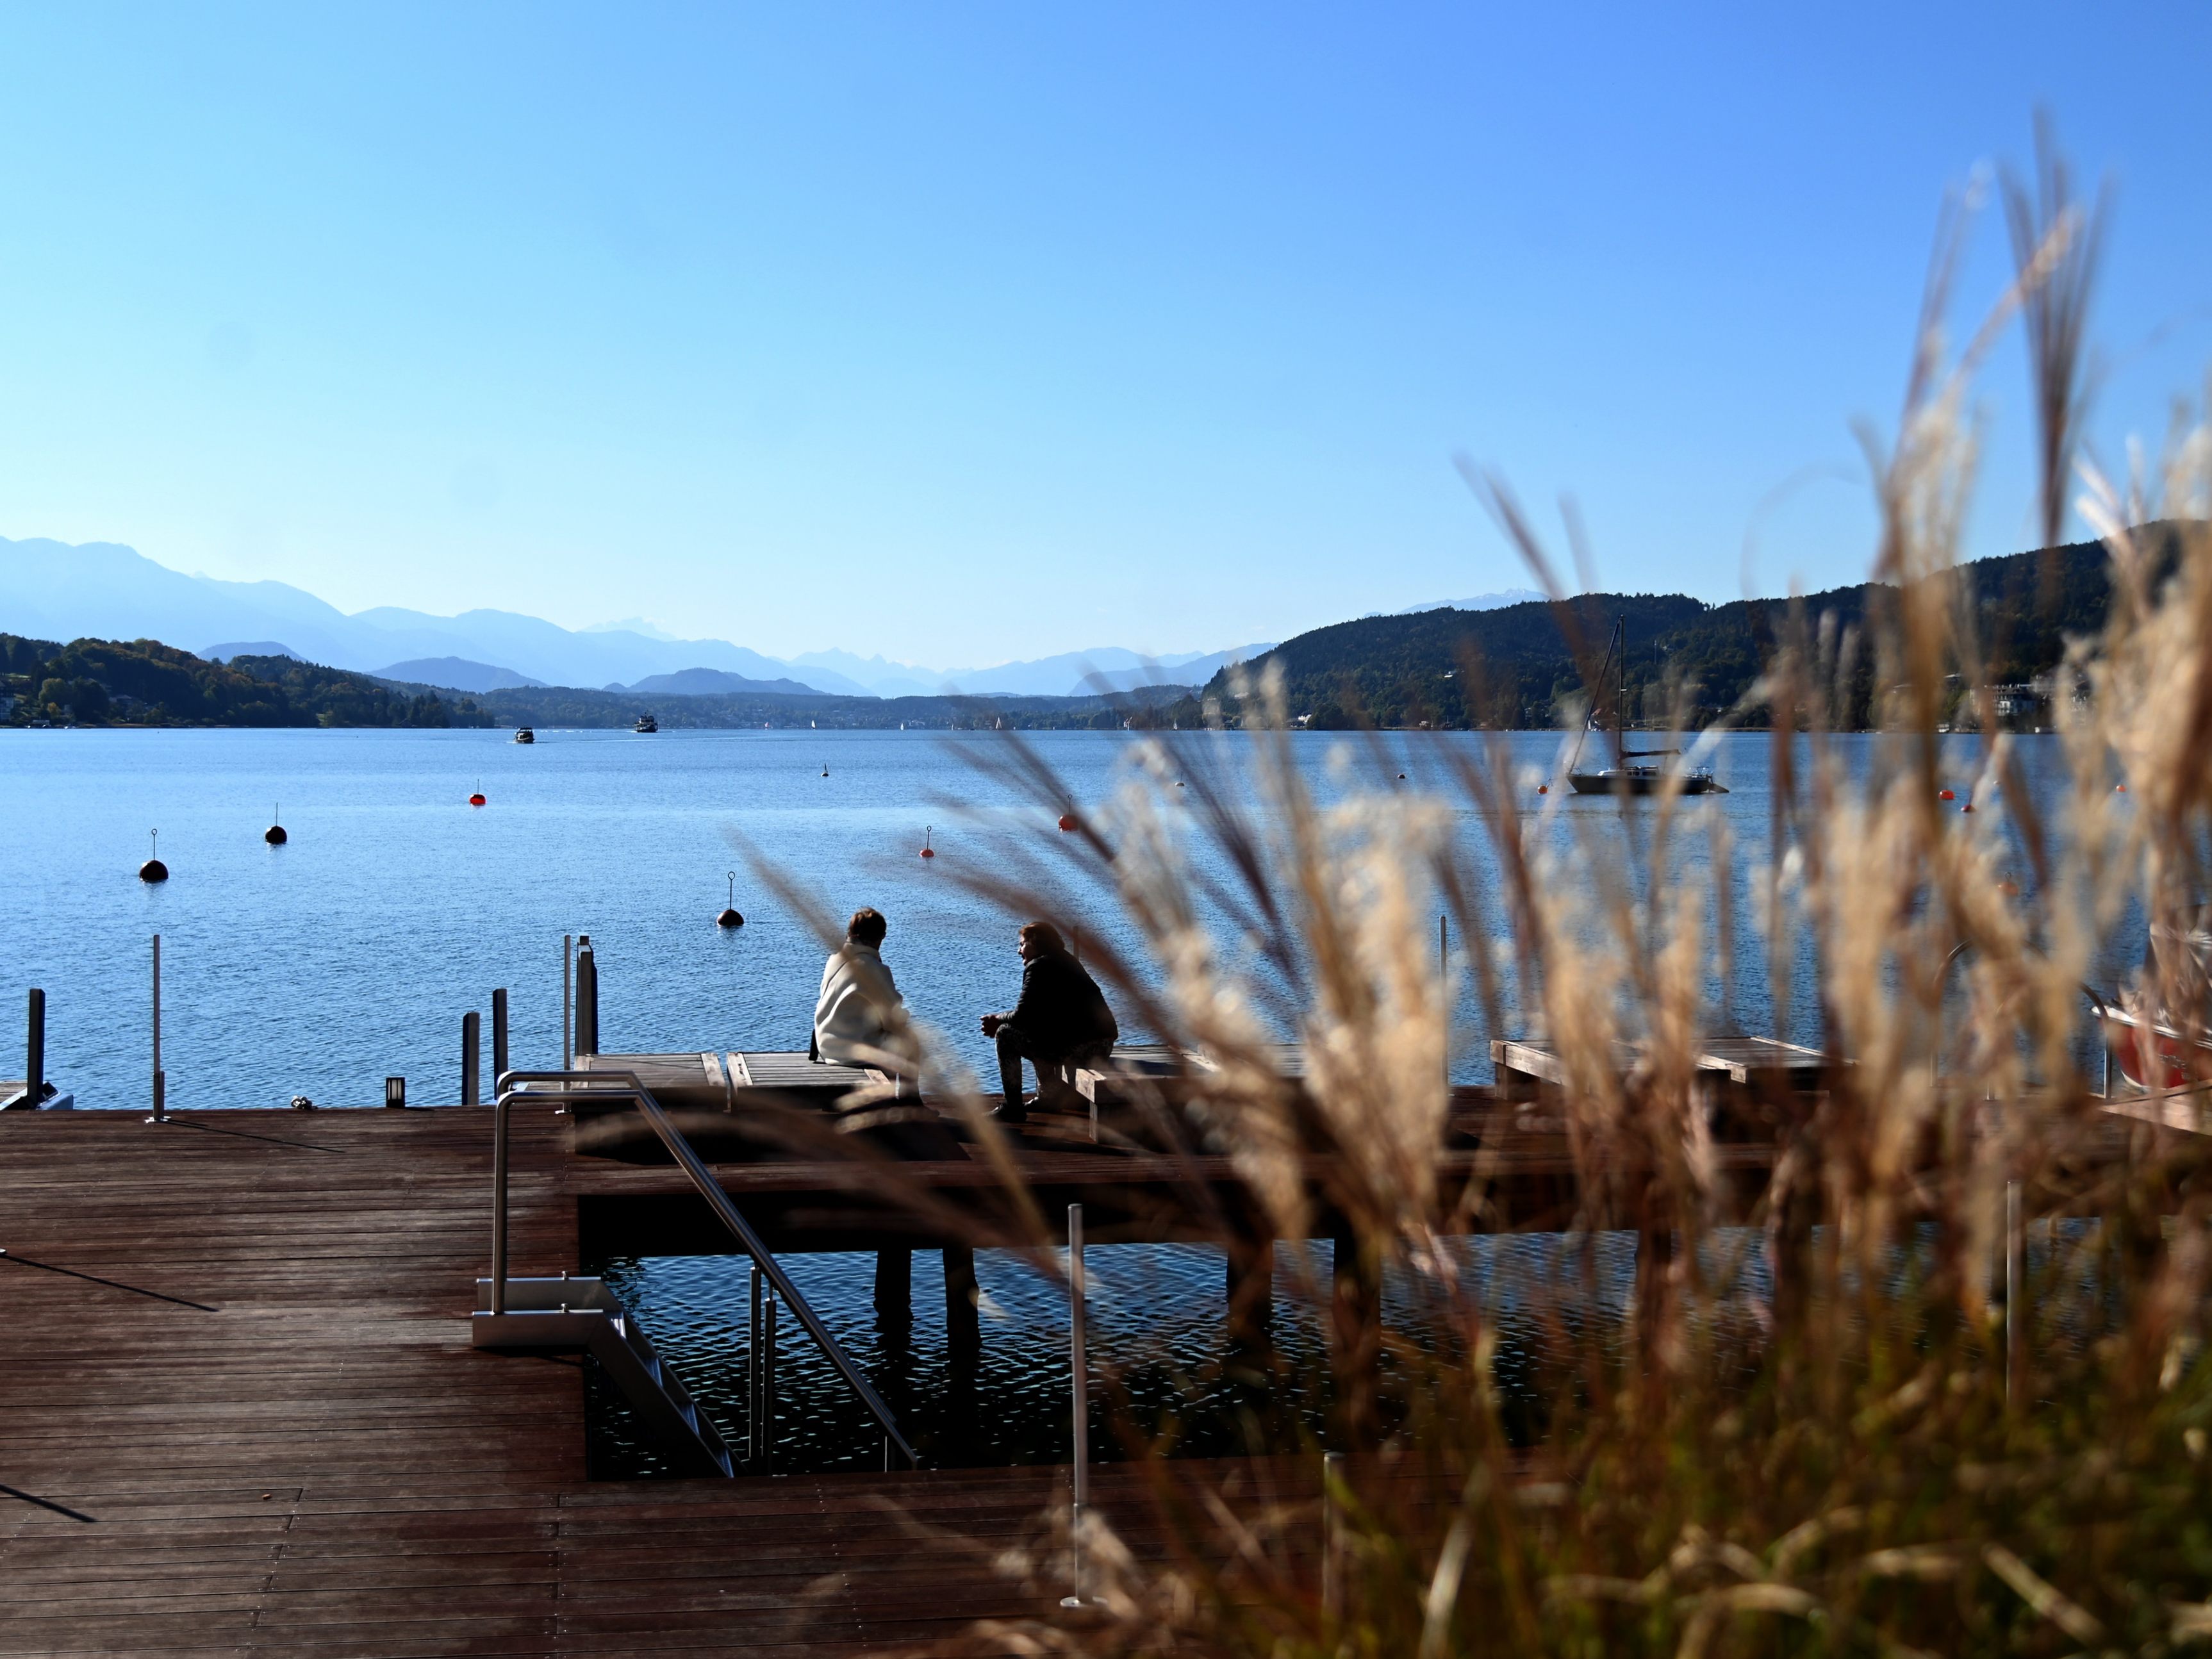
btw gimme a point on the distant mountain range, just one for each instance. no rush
(53, 590)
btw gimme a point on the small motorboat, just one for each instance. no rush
(2162, 1051)
(524, 734)
(645, 723)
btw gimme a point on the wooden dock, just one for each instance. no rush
(240, 1414)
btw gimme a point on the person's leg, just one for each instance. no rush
(1010, 1073)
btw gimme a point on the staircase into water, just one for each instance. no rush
(577, 1315)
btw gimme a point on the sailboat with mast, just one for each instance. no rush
(1636, 771)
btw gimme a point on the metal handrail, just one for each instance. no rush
(632, 1088)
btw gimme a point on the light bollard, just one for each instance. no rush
(160, 1078)
(1080, 1405)
(568, 1002)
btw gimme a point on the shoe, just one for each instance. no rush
(1011, 1111)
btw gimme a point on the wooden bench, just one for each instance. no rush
(1746, 1061)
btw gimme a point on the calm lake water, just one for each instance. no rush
(350, 954)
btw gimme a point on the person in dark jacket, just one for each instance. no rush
(1061, 1019)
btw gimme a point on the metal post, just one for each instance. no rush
(1080, 1401)
(160, 1079)
(1444, 980)
(1332, 1534)
(568, 1002)
(34, 1050)
(498, 1205)
(2016, 1310)
(471, 1029)
(498, 1036)
(753, 1375)
(768, 1384)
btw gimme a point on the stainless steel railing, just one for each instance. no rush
(626, 1085)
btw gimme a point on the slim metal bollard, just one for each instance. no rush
(1443, 978)
(753, 1375)
(499, 1067)
(1079, 1403)
(1332, 1535)
(568, 1002)
(160, 1079)
(472, 1030)
(768, 1384)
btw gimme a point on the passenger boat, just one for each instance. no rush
(1638, 771)
(524, 734)
(645, 723)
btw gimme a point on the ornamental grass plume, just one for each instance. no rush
(1909, 1364)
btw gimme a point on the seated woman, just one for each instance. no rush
(1060, 1019)
(860, 1018)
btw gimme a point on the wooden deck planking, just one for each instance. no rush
(235, 1305)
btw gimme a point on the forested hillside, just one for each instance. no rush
(145, 683)
(1515, 667)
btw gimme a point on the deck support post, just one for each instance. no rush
(894, 1283)
(1355, 1337)
(1251, 1287)
(498, 1066)
(963, 1323)
(472, 1030)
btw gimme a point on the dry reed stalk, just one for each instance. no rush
(1800, 1438)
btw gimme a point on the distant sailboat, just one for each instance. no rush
(1635, 773)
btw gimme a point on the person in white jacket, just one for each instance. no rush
(860, 1018)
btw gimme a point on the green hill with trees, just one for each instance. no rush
(145, 683)
(1515, 668)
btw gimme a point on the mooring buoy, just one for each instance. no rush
(153, 869)
(730, 918)
(927, 851)
(274, 835)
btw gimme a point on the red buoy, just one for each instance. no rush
(927, 851)
(1945, 794)
(2119, 789)
(1968, 807)
(1543, 788)
(1067, 823)
(475, 800)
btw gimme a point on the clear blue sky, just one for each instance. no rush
(963, 333)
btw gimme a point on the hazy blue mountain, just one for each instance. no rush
(873, 675)
(714, 683)
(454, 674)
(249, 648)
(1069, 674)
(1180, 670)
(1499, 601)
(51, 590)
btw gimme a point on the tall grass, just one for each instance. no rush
(1814, 1429)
